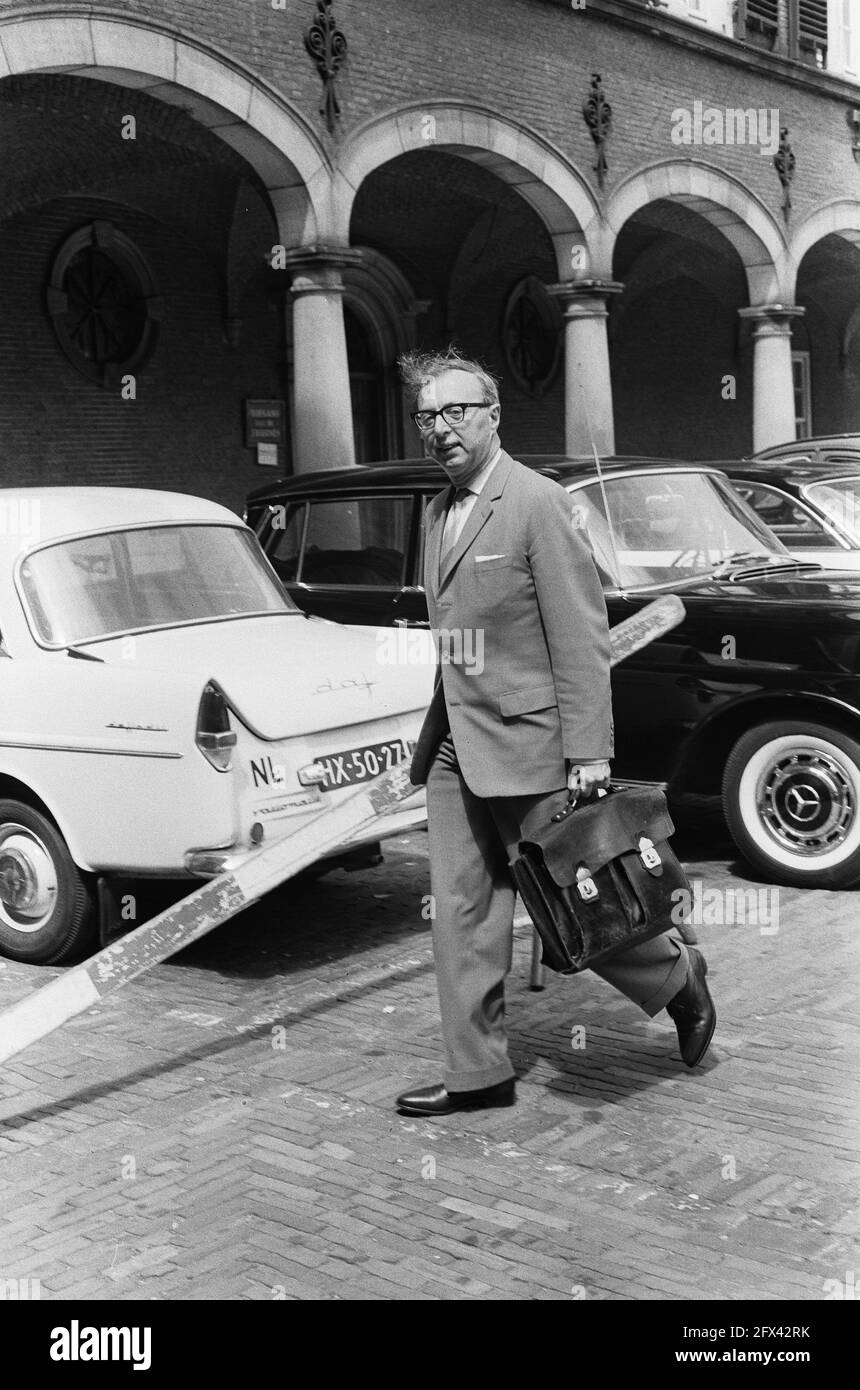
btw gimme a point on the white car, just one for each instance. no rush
(163, 703)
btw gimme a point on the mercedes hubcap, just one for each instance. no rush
(806, 801)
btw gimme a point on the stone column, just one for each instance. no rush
(773, 383)
(322, 403)
(588, 387)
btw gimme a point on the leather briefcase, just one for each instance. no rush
(601, 877)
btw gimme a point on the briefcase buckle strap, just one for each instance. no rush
(648, 854)
(585, 885)
(570, 805)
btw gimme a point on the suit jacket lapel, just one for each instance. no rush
(478, 517)
(433, 546)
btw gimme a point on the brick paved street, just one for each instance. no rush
(223, 1127)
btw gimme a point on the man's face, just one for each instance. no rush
(461, 449)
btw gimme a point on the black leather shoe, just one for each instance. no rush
(693, 1012)
(435, 1100)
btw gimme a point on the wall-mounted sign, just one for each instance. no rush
(267, 455)
(264, 422)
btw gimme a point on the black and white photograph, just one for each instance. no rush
(430, 665)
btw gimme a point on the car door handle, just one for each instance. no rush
(411, 622)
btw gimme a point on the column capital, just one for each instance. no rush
(584, 298)
(318, 269)
(772, 320)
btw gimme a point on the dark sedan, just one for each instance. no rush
(755, 696)
(820, 449)
(812, 506)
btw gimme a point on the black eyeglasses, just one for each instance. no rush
(453, 414)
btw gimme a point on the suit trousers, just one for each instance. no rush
(472, 840)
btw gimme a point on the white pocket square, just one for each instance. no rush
(479, 558)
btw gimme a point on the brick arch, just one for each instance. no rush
(539, 172)
(723, 201)
(232, 103)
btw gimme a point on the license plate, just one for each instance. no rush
(362, 764)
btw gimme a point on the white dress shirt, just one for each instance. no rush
(458, 512)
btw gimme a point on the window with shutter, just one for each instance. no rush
(763, 14)
(812, 24)
(796, 28)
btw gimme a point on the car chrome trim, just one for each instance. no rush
(647, 470)
(28, 879)
(404, 818)
(294, 612)
(805, 800)
(77, 748)
(208, 863)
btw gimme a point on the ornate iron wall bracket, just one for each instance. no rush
(598, 117)
(784, 162)
(327, 46)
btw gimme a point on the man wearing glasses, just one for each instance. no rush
(500, 746)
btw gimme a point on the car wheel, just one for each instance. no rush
(46, 909)
(791, 795)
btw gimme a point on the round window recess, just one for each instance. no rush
(101, 297)
(531, 336)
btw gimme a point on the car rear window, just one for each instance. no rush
(121, 581)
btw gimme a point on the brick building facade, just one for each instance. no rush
(187, 224)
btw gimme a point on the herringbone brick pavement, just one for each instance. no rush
(223, 1128)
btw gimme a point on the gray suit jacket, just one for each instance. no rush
(521, 624)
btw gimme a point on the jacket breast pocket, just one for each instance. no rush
(515, 702)
(493, 565)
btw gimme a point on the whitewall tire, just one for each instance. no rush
(791, 795)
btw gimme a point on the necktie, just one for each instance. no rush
(454, 520)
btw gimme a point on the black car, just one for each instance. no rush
(755, 696)
(814, 508)
(820, 449)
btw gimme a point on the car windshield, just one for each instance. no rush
(839, 498)
(667, 527)
(124, 581)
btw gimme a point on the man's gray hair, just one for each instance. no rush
(419, 368)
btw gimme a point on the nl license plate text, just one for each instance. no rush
(362, 764)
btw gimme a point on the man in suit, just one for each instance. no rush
(505, 738)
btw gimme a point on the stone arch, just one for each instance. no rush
(384, 296)
(839, 218)
(726, 203)
(535, 168)
(234, 104)
(824, 254)
(381, 296)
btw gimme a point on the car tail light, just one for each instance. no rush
(215, 738)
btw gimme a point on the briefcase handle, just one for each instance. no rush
(572, 800)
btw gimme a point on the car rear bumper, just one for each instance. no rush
(208, 863)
